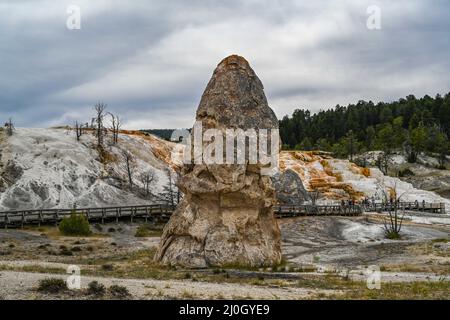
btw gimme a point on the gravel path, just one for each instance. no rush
(21, 285)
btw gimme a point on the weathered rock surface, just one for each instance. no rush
(289, 188)
(225, 217)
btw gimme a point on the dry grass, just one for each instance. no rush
(52, 232)
(106, 157)
(439, 290)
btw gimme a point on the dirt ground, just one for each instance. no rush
(324, 258)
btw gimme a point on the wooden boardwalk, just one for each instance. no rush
(19, 218)
(283, 211)
(406, 206)
(162, 212)
(148, 213)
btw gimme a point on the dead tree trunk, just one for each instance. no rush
(100, 109)
(115, 127)
(78, 130)
(129, 162)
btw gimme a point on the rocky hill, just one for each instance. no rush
(46, 168)
(338, 179)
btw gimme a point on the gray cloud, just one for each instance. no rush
(150, 61)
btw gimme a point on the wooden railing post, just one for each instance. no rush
(40, 217)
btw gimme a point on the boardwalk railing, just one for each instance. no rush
(408, 206)
(162, 212)
(154, 213)
(317, 210)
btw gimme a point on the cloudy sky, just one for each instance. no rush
(151, 60)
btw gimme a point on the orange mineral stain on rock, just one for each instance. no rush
(318, 173)
(162, 149)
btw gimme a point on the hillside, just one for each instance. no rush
(339, 179)
(45, 168)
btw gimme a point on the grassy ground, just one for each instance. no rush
(140, 265)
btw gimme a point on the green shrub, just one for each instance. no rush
(65, 252)
(405, 173)
(107, 267)
(96, 288)
(392, 235)
(119, 291)
(75, 225)
(52, 285)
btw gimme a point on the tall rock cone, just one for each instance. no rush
(225, 217)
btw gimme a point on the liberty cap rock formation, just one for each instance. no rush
(225, 217)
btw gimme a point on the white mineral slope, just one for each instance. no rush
(58, 171)
(340, 179)
(371, 186)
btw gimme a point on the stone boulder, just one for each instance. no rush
(225, 217)
(289, 188)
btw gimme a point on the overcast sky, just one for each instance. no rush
(151, 60)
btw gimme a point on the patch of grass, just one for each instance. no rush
(107, 267)
(119, 291)
(436, 268)
(105, 156)
(405, 173)
(440, 240)
(392, 235)
(187, 295)
(76, 249)
(65, 252)
(147, 230)
(404, 291)
(52, 285)
(95, 288)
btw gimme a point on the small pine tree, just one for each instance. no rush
(75, 225)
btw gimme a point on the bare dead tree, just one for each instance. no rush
(382, 162)
(129, 162)
(171, 194)
(147, 178)
(9, 127)
(100, 110)
(393, 225)
(314, 195)
(115, 127)
(78, 130)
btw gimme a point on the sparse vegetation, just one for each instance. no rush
(75, 225)
(405, 173)
(107, 267)
(52, 285)
(95, 288)
(147, 230)
(119, 291)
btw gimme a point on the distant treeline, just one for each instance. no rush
(411, 125)
(415, 125)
